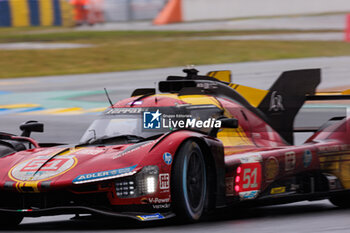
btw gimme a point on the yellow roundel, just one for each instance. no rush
(271, 168)
(37, 169)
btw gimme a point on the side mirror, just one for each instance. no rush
(31, 126)
(230, 123)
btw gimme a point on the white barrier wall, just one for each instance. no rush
(224, 9)
(128, 10)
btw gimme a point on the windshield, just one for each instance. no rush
(135, 121)
(116, 126)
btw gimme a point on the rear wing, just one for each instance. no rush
(318, 97)
(278, 106)
(282, 102)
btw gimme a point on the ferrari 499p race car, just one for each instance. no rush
(197, 143)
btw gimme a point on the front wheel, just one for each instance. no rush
(189, 190)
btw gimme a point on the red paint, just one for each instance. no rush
(30, 140)
(237, 179)
(250, 177)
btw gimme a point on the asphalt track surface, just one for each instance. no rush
(40, 45)
(334, 21)
(326, 36)
(319, 216)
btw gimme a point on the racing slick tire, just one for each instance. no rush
(341, 201)
(9, 220)
(189, 183)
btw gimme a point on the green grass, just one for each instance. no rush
(63, 34)
(118, 51)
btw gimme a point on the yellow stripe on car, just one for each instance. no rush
(32, 185)
(253, 95)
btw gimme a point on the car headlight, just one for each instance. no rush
(143, 183)
(151, 184)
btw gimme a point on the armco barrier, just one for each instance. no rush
(22, 13)
(192, 10)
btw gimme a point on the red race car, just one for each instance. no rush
(197, 143)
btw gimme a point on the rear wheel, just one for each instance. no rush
(189, 190)
(342, 200)
(9, 220)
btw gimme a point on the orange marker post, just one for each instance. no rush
(171, 13)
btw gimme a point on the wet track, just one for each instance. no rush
(299, 217)
(319, 216)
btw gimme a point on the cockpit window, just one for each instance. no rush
(137, 121)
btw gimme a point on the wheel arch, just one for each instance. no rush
(214, 159)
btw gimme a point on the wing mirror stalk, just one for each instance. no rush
(31, 126)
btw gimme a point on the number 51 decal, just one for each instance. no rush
(250, 177)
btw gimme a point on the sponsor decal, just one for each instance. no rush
(230, 187)
(334, 148)
(161, 206)
(124, 111)
(152, 120)
(48, 151)
(290, 161)
(137, 146)
(103, 174)
(278, 190)
(325, 149)
(157, 200)
(90, 151)
(307, 158)
(207, 85)
(271, 168)
(251, 158)
(276, 104)
(164, 180)
(168, 158)
(150, 217)
(250, 177)
(248, 195)
(39, 168)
